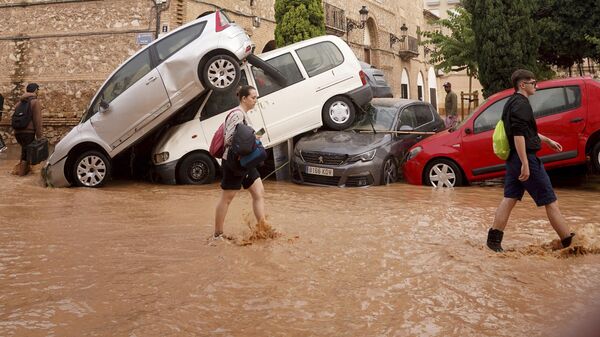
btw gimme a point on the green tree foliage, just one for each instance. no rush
(506, 39)
(298, 20)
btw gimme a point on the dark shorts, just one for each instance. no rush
(538, 185)
(24, 139)
(234, 176)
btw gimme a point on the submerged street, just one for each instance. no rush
(132, 259)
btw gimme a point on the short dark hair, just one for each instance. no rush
(244, 91)
(520, 75)
(32, 87)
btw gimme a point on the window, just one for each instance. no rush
(423, 115)
(403, 90)
(320, 57)
(287, 67)
(488, 119)
(555, 100)
(171, 44)
(408, 117)
(219, 102)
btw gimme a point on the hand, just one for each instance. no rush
(554, 145)
(524, 172)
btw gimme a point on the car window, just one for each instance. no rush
(488, 119)
(320, 57)
(423, 115)
(286, 65)
(379, 117)
(408, 117)
(555, 100)
(219, 102)
(171, 44)
(125, 77)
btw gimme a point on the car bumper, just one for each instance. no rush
(412, 171)
(382, 92)
(362, 95)
(54, 175)
(167, 172)
(358, 174)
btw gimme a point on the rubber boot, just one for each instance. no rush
(15, 171)
(566, 242)
(494, 240)
(24, 168)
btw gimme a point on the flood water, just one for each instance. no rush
(132, 259)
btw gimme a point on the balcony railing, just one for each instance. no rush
(409, 48)
(335, 19)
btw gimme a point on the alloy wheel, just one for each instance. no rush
(442, 175)
(390, 173)
(221, 73)
(91, 171)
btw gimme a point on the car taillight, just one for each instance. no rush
(363, 77)
(220, 26)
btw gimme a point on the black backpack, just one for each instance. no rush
(244, 140)
(22, 115)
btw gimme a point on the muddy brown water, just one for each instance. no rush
(132, 259)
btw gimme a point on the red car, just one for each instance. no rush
(566, 110)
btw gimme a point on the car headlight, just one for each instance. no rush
(161, 157)
(367, 156)
(414, 152)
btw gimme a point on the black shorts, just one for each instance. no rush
(234, 176)
(538, 185)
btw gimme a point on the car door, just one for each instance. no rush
(413, 119)
(130, 99)
(559, 114)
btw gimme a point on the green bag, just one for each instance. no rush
(500, 141)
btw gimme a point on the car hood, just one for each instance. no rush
(342, 142)
(444, 137)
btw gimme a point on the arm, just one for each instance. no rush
(553, 144)
(454, 105)
(522, 152)
(36, 111)
(230, 124)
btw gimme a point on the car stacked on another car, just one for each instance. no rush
(371, 151)
(566, 110)
(376, 79)
(157, 82)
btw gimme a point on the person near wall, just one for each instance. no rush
(32, 131)
(451, 106)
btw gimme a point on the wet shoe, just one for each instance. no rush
(3, 148)
(566, 242)
(494, 240)
(214, 239)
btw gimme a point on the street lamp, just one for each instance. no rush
(394, 38)
(351, 24)
(159, 5)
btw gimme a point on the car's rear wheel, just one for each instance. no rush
(596, 157)
(443, 173)
(196, 169)
(339, 113)
(389, 172)
(91, 169)
(221, 73)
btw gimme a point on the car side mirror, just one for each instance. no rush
(468, 131)
(103, 105)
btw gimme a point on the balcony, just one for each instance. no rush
(335, 20)
(409, 48)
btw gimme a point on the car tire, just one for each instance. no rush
(443, 173)
(196, 169)
(339, 113)
(268, 69)
(91, 169)
(389, 171)
(221, 73)
(596, 157)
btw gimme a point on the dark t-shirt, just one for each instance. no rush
(519, 121)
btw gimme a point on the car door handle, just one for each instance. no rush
(576, 120)
(150, 80)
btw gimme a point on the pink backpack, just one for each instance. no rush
(217, 144)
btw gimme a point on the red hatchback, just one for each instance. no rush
(566, 110)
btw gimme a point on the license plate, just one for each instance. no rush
(319, 171)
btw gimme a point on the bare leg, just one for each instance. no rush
(503, 212)
(557, 220)
(222, 207)
(257, 191)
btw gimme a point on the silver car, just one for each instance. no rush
(147, 89)
(377, 81)
(371, 151)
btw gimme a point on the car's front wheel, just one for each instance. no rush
(339, 113)
(389, 172)
(91, 169)
(221, 73)
(596, 157)
(196, 169)
(443, 173)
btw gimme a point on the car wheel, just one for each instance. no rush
(596, 157)
(221, 73)
(339, 113)
(91, 169)
(389, 172)
(196, 169)
(443, 173)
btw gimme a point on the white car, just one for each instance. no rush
(322, 84)
(154, 84)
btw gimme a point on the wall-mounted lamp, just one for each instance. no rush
(351, 24)
(256, 21)
(394, 38)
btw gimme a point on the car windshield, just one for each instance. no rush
(381, 118)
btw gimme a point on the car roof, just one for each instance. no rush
(396, 102)
(301, 44)
(541, 85)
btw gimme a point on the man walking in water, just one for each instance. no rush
(524, 170)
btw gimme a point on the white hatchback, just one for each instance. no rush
(146, 90)
(315, 82)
